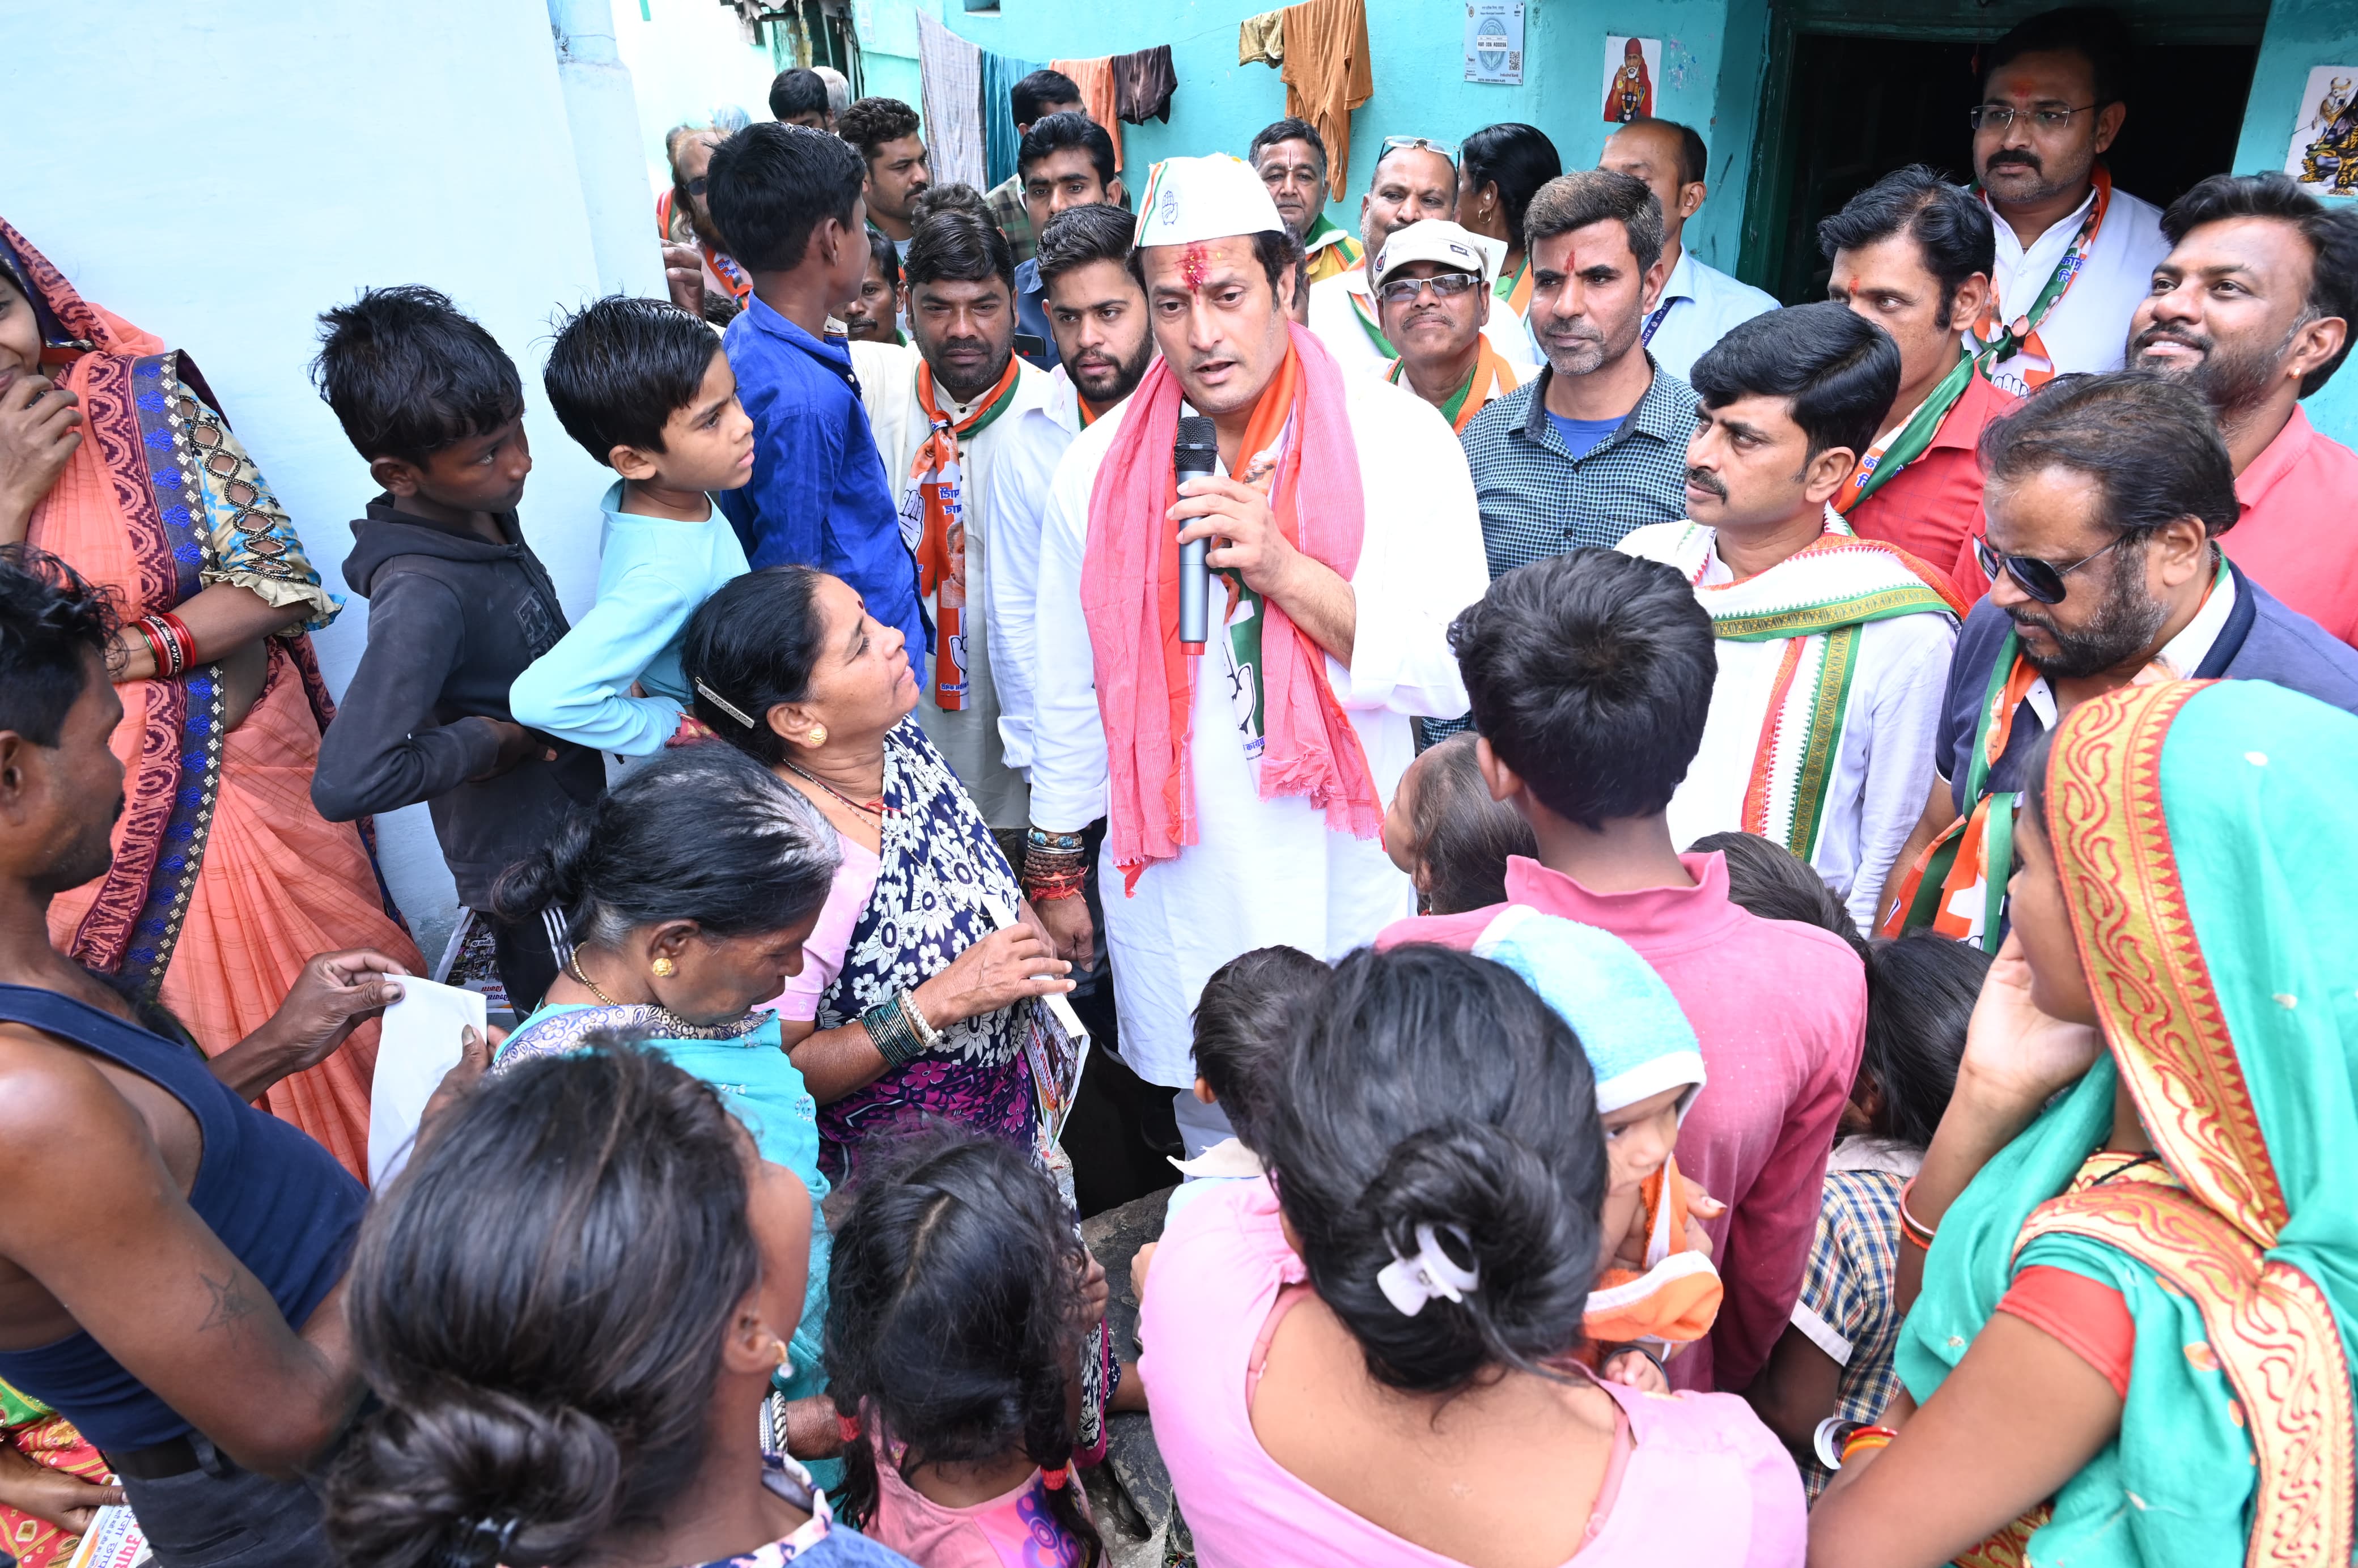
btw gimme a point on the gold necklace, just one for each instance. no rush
(680, 1028)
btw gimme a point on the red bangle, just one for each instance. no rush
(182, 635)
(1913, 1231)
(1866, 1439)
(160, 646)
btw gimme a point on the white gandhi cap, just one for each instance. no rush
(1189, 199)
(1439, 241)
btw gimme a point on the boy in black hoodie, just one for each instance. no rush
(458, 606)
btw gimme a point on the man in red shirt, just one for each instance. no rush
(2253, 307)
(1590, 675)
(1913, 255)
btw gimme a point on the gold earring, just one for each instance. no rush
(664, 969)
(818, 735)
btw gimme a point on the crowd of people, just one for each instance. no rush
(1669, 1062)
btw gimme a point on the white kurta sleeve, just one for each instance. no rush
(1421, 559)
(1904, 721)
(1068, 748)
(1016, 503)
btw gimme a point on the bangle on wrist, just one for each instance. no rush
(927, 1035)
(1866, 1439)
(892, 1027)
(1913, 1231)
(1636, 1349)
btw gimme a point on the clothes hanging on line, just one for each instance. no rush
(1095, 80)
(999, 138)
(1143, 84)
(950, 70)
(1260, 40)
(1328, 74)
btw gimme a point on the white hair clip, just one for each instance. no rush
(725, 706)
(1410, 1282)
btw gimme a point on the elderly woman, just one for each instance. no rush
(2131, 1346)
(225, 878)
(920, 987)
(687, 892)
(702, 277)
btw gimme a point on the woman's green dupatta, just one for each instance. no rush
(2209, 856)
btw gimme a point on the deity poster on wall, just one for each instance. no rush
(2324, 151)
(1632, 66)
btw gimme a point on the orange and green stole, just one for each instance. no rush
(933, 521)
(2202, 834)
(1491, 377)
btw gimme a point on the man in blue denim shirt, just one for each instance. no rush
(789, 199)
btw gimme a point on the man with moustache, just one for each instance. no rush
(1832, 649)
(170, 1257)
(1415, 179)
(2106, 499)
(2253, 307)
(2073, 253)
(1243, 781)
(943, 410)
(1596, 445)
(1432, 284)
(1912, 253)
(1291, 158)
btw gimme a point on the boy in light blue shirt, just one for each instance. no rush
(646, 389)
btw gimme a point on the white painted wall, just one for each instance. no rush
(228, 171)
(687, 57)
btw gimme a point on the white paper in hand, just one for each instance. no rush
(419, 1042)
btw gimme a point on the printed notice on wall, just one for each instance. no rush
(2324, 151)
(1494, 43)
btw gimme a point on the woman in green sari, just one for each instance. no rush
(2186, 887)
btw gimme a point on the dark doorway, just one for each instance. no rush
(1856, 107)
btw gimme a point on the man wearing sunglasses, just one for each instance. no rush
(2073, 253)
(2254, 307)
(2105, 499)
(1432, 288)
(1415, 179)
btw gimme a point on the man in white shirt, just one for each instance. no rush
(1243, 779)
(1432, 284)
(1698, 303)
(1834, 650)
(944, 411)
(2074, 255)
(1415, 179)
(1097, 312)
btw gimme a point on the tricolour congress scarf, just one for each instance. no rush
(1491, 377)
(1812, 603)
(1905, 445)
(2001, 339)
(1129, 597)
(934, 527)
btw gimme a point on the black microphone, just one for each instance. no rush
(1194, 456)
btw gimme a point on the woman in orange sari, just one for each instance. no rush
(225, 878)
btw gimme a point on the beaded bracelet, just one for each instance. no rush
(1041, 838)
(1053, 870)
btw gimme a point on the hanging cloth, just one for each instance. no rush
(950, 72)
(999, 138)
(1260, 40)
(1099, 95)
(934, 527)
(1328, 74)
(1143, 84)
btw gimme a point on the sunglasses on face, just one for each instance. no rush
(697, 186)
(1444, 286)
(2043, 580)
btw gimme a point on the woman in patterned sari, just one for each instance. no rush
(225, 879)
(2132, 1346)
(920, 984)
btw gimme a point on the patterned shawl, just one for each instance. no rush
(2202, 831)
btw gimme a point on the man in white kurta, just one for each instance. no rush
(1264, 868)
(1834, 650)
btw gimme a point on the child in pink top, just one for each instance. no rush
(960, 1300)
(1443, 1173)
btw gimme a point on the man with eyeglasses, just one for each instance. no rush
(2106, 496)
(1291, 158)
(2073, 253)
(1415, 179)
(1433, 287)
(2254, 307)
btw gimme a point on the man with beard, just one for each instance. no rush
(1598, 443)
(170, 1258)
(944, 410)
(1243, 779)
(2106, 497)
(1291, 158)
(2073, 253)
(2253, 309)
(1432, 283)
(1832, 649)
(884, 132)
(1415, 179)
(1912, 253)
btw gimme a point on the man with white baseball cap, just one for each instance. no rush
(1432, 283)
(1243, 782)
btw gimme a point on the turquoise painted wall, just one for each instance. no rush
(1419, 68)
(2301, 34)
